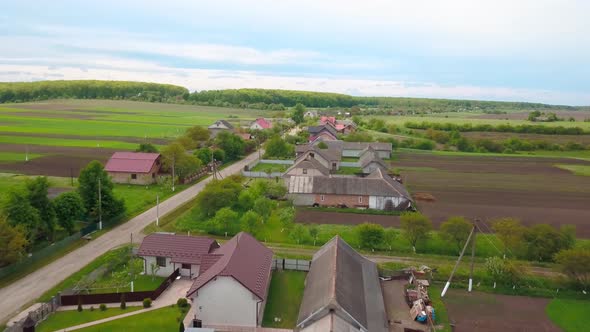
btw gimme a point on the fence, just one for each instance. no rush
(291, 264)
(37, 315)
(271, 175)
(116, 297)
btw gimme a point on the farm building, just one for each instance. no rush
(306, 164)
(327, 157)
(342, 292)
(310, 114)
(233, 285)
(219, 126)
(356, 149)
(375, 191)
(325, 132)
(370, 161)
(164, 253)
(260, 124)
(133, 167)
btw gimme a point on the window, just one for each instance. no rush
(133, 176)
(161, 261)
(322, 198)
(153, 175)
(360, 199)
(305, 171)
(186, 266)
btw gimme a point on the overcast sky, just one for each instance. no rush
(525, 50)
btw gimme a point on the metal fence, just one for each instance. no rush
(291, 264)
(37, 315)
(271, 175)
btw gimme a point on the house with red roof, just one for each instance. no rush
(232, 287)
(163, 253)
(133, 167)
(260, 124)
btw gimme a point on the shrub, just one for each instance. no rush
(147, 302)
(103, 307)
(91, 308)
(182, 302)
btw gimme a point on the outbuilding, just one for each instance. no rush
(133, 167)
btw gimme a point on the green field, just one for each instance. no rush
(581, 170)
(159, 320)
(15, 156)
(284, 298)
(62, 319)
(570, 315)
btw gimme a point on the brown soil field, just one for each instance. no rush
(60, 161)
(559, 139)
(482, 312)
(578, 115)
(341, 218)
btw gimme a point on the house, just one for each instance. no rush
(325, 132)
(370, 161)
(342, 292)
(356, 149)
(346, 126)
(133, 167)
(306, 164)
(232, 287)
(245, 136)
(310, 114)
(375, 191)
(219, 126)
(327, 157)
(163, 253)
(260, 124)
(328, 119)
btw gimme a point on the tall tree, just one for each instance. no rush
(511, 233)
(146, 147)
(21, 213)
(299, 234)
(298, 113)
(218, 194)
(415, 227)
(276, 147)
(370, 236)
(251, 222)
(232, 144)
(12, 244)
(263, 206)
(544, 241)
(225, 221)
(88, 190)
(456, 231)
(197, 134)
(575, 263)
(69, 207)
(37, 190)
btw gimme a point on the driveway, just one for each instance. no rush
(31, 287)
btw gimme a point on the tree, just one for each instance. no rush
(251, 222)
(369, 235)
(415, 227)
(389, 237)
(219, 155)
(181, 327)
(123, 304)
(456, 231)
(20, 212)
(147, 147)
(276, 147)
(197, 134)
(232, 144)
(298, 113)
(88, 190)
(511, 233)
(502, 270)
(12, 244)
(204, 154)
(276, 190)
(246, 200)
(263, 206)
(287, 217)
(575, 263)
(172, 154)
(218, 194)
(314, 232)
(299, 233)
(544, 241)
(226, 221)
(37, 191)
(69, 207)
(187, 166)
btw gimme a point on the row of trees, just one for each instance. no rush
(502, 128)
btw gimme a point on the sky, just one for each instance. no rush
(525, 50)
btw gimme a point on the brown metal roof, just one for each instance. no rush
(131, 162)
(342, 280)
(180, 248)
(243, 258)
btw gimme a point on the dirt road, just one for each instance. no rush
(29, 288)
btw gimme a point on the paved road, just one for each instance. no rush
(31, 287)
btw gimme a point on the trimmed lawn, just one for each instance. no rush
(264, 167)
(62, 319)
(581, 170)
(570, 315)
(139, 198)
(284, 298)
(159, 320)
(343, 170)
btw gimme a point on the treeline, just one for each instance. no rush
(43, 90)
(502, 128)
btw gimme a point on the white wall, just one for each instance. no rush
(224, 301)
(163, 271)
(378, 202)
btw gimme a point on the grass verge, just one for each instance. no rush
(284, 298)
(570, 315)
(63, 319)
(581, 170)
(159, 320)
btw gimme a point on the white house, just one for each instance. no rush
(233, 285)
(163, 253)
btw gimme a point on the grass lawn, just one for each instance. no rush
(343, 170)
(570, 315)
(62, 319)
(440, 310)
(110, 284)
(284, 298)
(159, 320)
(581, 170)
(350, 159)
(139, 198)
(264, 167)
(17, 156)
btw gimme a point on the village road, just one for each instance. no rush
(31, 287)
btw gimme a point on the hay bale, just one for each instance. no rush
(425, 197)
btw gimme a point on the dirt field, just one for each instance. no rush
(578, 115)
(482, 312)
(322, 217)
(558, 139)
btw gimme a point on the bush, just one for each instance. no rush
(91, 308)
(182, 302)
(103, 307)
(147, 302)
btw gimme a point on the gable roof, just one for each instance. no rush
(132, 162)
(328, 154)
(343, 280)
(305, 161)
(263, 123)
(316, 130)
(379, 146)
(328, 119)
(243, 258)
(180, 248)
(371, 156)
(221, 124)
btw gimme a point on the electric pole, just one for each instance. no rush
(173, 162)
(472, 254)
(457, 263)
(99, 206)
(157, 210)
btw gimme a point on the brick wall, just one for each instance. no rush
(348, 200)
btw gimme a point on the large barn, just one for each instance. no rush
(133, 167)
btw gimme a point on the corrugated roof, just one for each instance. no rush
(369, 156)
(343, 280)
(379, 146)
(309, 163)
(262, 122)
(243, 258)
(131, 162)
(221, 124)
(180, 248)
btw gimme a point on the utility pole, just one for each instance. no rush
(99, 206)
(157, 210)
(472, 255)
(457, 263)
(173, 162)
(26, 153)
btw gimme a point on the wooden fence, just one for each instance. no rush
(37, 315)
(116, 297)
(291, 264)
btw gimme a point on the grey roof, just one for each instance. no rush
(342, 280)
(300, 185)
(309, 163)
(221, 124)
(328, 154)
(314, 130)
(379, 146)
(371, 156)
